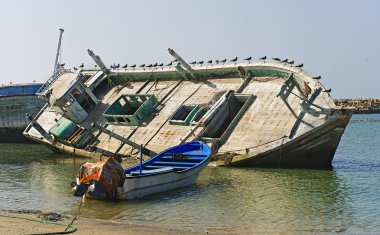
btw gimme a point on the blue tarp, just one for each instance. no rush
(20, 89)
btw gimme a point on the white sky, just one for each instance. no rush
(336, 39)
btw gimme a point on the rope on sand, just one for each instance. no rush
(72, 228)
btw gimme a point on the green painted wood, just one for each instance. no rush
(130, 110)
(63, 128)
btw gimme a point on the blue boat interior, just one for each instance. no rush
(178, 159)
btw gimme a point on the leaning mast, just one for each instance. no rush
(56, 65)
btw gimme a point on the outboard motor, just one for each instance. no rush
(80, 190)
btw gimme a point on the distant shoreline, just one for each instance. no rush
(359, 106)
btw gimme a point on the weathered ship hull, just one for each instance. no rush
(261, 114)
(12, 116)
(13, 135)
(314, 149)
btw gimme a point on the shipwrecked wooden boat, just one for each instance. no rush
(261, 114)
(173, 168)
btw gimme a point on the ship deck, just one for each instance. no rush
(267, 121)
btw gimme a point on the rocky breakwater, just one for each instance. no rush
(359, 106)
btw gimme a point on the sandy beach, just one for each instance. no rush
(32, 222)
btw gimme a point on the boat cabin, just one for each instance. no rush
(69, 96)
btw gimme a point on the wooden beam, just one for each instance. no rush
(124, 140)
(180, 60)
(300, 117)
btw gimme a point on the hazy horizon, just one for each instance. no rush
(338, 40)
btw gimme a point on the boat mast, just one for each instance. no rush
(56, 65)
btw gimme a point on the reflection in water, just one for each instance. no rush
(225, 200)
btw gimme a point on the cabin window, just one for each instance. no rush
(122, 102)
(187, 115)
(87, 77)
(119, 119)
(70, 99)
(130, 110)
(84, 100)
(80, 88)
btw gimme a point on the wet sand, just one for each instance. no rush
(31, 222)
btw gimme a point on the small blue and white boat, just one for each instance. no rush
(175, 167)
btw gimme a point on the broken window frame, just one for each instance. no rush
(192, 117)
(146, 106)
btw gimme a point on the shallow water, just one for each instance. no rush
(224, 200)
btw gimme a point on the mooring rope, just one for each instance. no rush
(68, 226)
(73, 228)
(76, 215)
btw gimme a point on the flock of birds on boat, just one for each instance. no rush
(209, 62)
(201, 63)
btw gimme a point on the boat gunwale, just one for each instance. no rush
(204, 162)
(151, 160)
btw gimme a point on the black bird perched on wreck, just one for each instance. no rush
(217, 61)
(149, 66)
(286, 60)
(234, 60)
(328, 90)
(200, 62)
(81, 66)
(142, 66)
(248, 59)
(61, 65)
(291, 62)
(317, 78)
(299, 66)
(75, 68)
(170, 64)
(162, 64)
(155, 65)
(210, 61)
(276, 59)
(194, 62)
(125, 66)
(117, 66)
(263, 58)
(223, 61)
(133, 66)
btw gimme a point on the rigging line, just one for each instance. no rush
(146, 92)
(236, 150)
(158, 130)
(162, 89)
(317, 106)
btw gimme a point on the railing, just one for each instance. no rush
(51, 80)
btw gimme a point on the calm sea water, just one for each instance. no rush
(224, 200)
